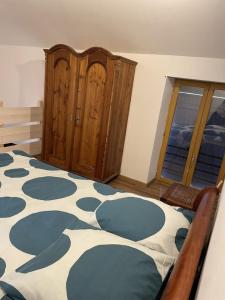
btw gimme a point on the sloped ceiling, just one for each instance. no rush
(177, 27)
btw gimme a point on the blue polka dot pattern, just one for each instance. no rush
(16, 173)
(88, 203)
(41, 165)
(75, 176)
(189, 214)
(21, 153)
(5, 159)
(132, 218)
(78, 224)
(97, 265)
(180, 237)
(12, 291)
(6, 298)
(2, 267)
(49, 188)
(48, 257)
(38, 231)
(105, 189)
(10, 206)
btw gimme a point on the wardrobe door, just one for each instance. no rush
(123, 75)
(61, 69)
(90, 109)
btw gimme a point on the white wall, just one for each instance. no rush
(21, 75)
(22, 83)
(145, 129)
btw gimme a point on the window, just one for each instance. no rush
(194, 141)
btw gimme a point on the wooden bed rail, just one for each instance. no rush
(21, 128)
(181, 280)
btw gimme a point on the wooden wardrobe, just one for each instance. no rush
(87, 99)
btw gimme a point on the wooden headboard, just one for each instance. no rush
(21, 128)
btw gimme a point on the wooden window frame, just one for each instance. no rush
(200, 123)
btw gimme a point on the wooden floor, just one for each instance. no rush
(154, 190)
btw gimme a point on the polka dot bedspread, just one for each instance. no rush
(65, 237)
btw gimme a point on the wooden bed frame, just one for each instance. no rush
(182, 282)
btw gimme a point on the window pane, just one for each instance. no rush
(188, 102)
(213, 144)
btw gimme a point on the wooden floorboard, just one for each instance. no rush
(154, 190)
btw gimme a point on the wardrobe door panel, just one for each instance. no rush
(123, 75)
(96, 77)
(59, 108)
(89, 113)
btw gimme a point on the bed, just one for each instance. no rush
(67, 237)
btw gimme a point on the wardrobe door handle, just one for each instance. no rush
(77, 118)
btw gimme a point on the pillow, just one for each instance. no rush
(147, 221)
(89, 264)
(26, 235)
